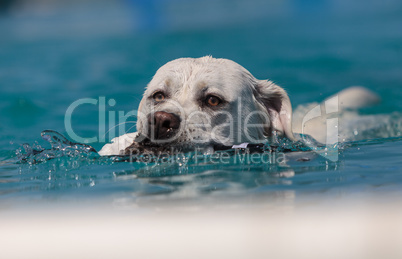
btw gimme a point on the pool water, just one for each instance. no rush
(53, 55)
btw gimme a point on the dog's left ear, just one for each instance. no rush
(275, 101)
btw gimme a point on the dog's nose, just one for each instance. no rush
(163, 125)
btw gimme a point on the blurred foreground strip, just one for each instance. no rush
(372, 231)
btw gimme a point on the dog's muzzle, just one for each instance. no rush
(163, 125)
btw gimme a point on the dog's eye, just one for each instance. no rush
(158, 96)
(212, 100)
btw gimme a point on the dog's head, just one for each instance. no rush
(205, 101)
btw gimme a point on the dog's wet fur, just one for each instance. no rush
(219, 92)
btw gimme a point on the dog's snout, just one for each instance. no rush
(163, 125)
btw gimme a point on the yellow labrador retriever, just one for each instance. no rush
(198, 103)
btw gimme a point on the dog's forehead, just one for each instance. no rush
(200, 73)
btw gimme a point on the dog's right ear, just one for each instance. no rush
(276, 103)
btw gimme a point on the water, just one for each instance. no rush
(53, 55)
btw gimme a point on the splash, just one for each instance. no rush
(60, 147)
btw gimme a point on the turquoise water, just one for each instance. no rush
(53, 56)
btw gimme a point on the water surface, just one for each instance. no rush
(53, 56)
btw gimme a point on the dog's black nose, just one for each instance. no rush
(163, 125)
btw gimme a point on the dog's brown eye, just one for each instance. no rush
(158, 96)
(213, 100)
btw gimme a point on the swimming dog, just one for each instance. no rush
(201, 102)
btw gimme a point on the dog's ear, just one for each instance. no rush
(275, 101)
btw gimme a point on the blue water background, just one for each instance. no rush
(55, 53)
